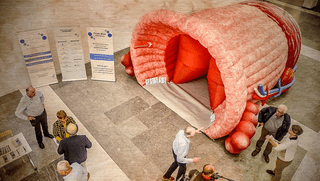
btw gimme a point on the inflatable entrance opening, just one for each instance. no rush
(240, 48)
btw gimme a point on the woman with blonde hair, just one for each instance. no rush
(59, 127)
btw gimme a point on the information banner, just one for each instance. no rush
(101, 53)
(70, 53)
(37, 56)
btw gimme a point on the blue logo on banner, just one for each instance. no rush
(109, 34)
(90, 34)
(23, 42)
(42, 35)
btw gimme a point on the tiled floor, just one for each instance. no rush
(132, 131)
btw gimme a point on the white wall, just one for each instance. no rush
(120, 15)
(310, 3)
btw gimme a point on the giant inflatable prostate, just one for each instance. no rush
(243, 49)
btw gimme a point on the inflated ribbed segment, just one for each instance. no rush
(157, 29)
(246, 45)
(288, 25)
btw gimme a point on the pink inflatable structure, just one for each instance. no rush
(243, 49)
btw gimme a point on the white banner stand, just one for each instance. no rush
(70, 53)
(101, 53)
(37, 56)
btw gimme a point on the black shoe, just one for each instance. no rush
(255, 152)
(270, 172)
(41, 145)
(266, 158)
(49, 136)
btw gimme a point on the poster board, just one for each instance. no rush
(70, 53)
(37, 56)
(101, 53)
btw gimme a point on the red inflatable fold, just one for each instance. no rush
(237, 47)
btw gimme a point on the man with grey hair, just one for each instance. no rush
(74, 147)
(31, 108)
(72, 172)
(276, 122)
(180, 150)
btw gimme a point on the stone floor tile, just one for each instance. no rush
(154, 114)
(132, 127)
(126, 110)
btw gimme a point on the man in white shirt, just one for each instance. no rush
(180, 151)
(287, 148)
(31, 108)
(73, 172)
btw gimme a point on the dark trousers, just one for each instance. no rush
(41, 119)
(173, 167)
(280, 165)
(261, 140)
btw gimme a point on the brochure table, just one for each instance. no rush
(14, 148)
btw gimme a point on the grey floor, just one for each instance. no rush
(137, 130)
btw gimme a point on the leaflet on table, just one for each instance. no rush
(13, 148)
(101, 53)
(70, 53)
(37, 56)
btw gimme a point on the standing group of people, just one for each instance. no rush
(72, 146)
(277, 129)
(282, 136)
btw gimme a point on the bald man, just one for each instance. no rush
(206, 174)
(73, 172)
(180, 151)
(31, 108)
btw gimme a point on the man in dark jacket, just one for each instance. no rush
(205, 175)
(75, 147)
(276, 122)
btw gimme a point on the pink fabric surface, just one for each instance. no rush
(248, 46)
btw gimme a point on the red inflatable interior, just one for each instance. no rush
(171, 55)
(193, 60)
(190, 60)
